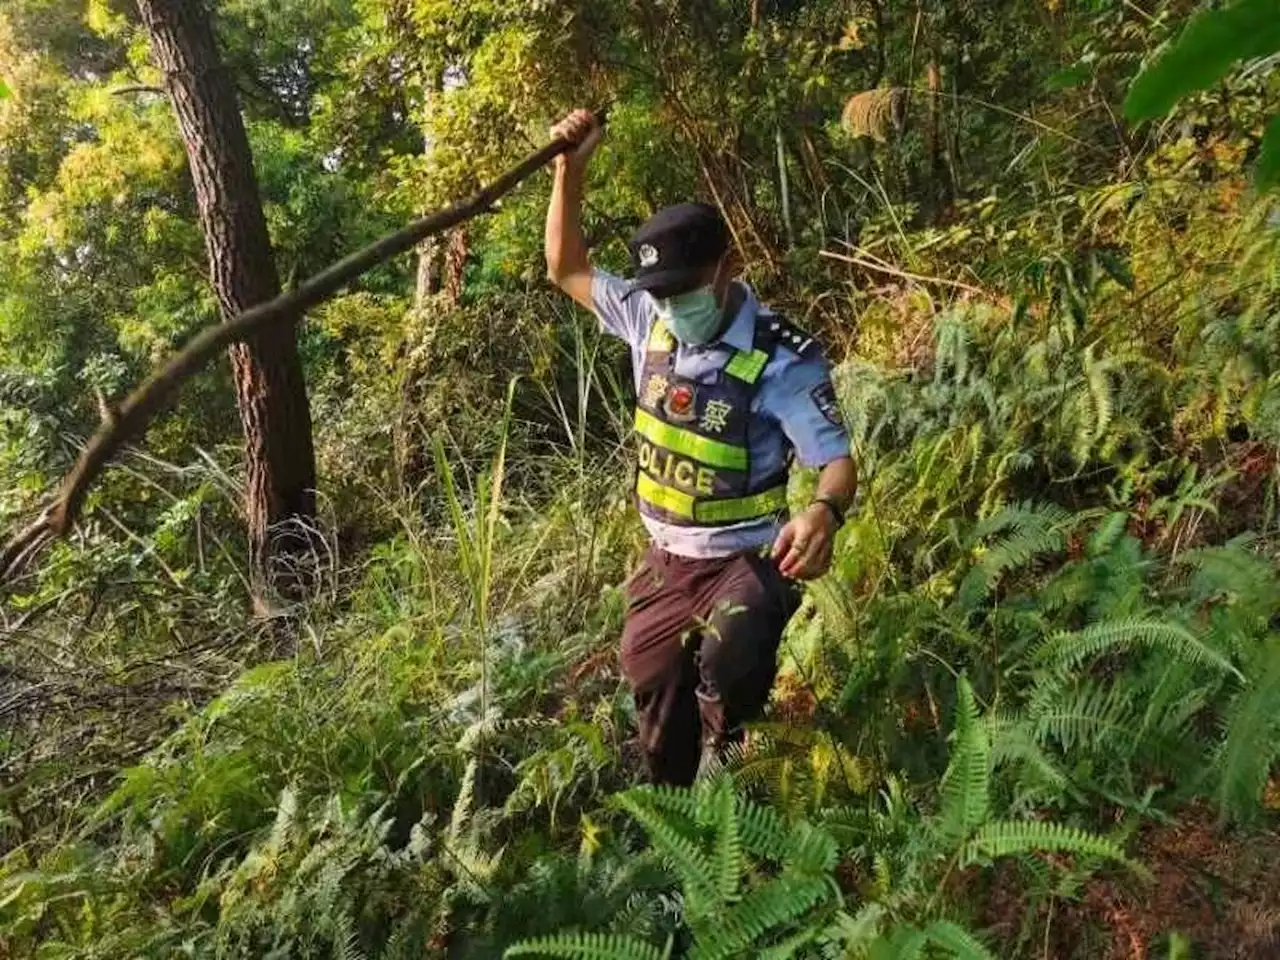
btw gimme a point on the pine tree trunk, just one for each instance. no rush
(270, 389)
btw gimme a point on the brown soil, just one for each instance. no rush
(1219, 888)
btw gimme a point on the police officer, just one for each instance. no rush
(727, 394)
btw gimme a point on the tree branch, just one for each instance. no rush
(137, 88)
(139, 407)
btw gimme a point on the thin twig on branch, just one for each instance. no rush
(140, 406)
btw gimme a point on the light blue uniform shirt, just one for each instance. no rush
(787, 413)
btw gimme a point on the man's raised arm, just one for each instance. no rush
(568, 266)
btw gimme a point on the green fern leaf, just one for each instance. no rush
(587, 946)
(788, 948)
(853, 934)
(1036, 530)
(1012, 742)
(966, 798)
(768, 909)
(763, 831)
(1008, 839)
(679, 800)
(693, 870)
(1091, 717)
(728, 843)
(1108, 533)
(904, 942)
(1067, 648)
(962, 944)
(1100, 391)
(347, 945)
(812, 850)
(1252, 742)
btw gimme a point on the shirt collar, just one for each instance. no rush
(741, 334)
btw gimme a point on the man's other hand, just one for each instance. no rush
(803, 548)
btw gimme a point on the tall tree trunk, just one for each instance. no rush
(939, 176)
(270, 390)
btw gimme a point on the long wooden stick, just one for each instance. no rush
(894, 271)
(140, 406)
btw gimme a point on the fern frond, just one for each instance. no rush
(1090, 717)
(728, 843)
(1013, 742)
(966, 798)
(687, 802)
(462, 806)
(763, 831)
(852, 934)
(1036, 530)
(1252, 741)
(347, 944)
(1248, 579)
(286, 813)
(1067, 648)
(787, 949)
(1108, 532)
(904, 942)
(1100, 390)
(766, 909)
(694, 871)
(962, 944)
(1008, 839)
(812, 850)
(587, 946)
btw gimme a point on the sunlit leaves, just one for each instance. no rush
(1212, 43)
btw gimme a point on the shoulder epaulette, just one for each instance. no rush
(777, 330)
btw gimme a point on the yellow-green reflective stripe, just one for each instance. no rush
(747, 366)
(703, 449)
(667, 498)
(710, 511)
(743, 508)
(660, 338)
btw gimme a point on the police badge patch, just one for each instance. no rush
(824, 397)
(680, 403)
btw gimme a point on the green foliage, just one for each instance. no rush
(1211, 44)
(965, 800)
(1269, 158)
(588, 946)
(1070, 649)
(1252, 740)
(1010, 839)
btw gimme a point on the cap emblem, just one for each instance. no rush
(648, 255)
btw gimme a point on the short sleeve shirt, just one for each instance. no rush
(794, 411)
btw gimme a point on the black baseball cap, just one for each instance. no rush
(672, 249)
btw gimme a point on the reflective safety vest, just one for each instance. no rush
(694, 459)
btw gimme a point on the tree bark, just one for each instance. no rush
(270, 389)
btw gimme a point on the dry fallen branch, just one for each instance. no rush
(139, 407)
(894, 271)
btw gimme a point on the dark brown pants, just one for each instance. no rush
(700, 652)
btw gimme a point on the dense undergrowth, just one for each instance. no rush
(1050, 628)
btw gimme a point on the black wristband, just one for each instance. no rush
(830, 504)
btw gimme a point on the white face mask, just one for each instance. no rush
(694, 317)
